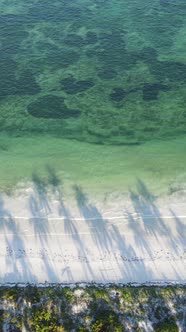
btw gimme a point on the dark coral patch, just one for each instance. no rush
(112, 39)
(151, 91)
(40, 12)
(107, 73)
(74, 13)
(67, 81)
(74, 40)
(64, 11)
(112, 43)
(174, 71)
(12, 33)
(27, 85)
(112, 51)
(11, 85)
(172, 5)
(164, 3)
(8, 81)
(148, 54)
(91, 38)
(51, 107)
(71, 86)
(61, 57)
(91, 52)
(118, 94)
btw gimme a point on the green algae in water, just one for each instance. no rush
(117, 69)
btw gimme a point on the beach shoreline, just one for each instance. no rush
(49, 238)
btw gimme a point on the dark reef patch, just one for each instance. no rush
(91, 52)
(165, 3)
(12, 20)
(173, 5)
(73, 40)
(45, 46)
(40, 12)
(63, 11)
(8, 77)
(107, 73)
(114, 38)
(77, 14)
(27, 85)
(91, 38)
(148, 54)
(51, 107)
(12, 33)
(151, 91)
(111, 48)
(174, 71)
(118, 94)
(67, 81)
(113, 42)
(129, 52)
(71, 86)
(11, 85)
(111, 51)
(57, 57)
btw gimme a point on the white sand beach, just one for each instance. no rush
(138, 239)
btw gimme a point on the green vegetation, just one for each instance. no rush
(107, 322)
(169, 325)
(92, 308)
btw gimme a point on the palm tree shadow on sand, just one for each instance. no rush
(113, 247)
(93, 218)
(143, 201)
(17, 268)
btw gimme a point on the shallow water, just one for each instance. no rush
(94, 90)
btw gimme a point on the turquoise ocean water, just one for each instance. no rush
(95, 90)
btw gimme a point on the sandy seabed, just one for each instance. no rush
(119, 239)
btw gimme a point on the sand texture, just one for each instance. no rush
(44, 238)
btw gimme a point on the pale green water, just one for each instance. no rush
(97, 168)
(83, 72)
